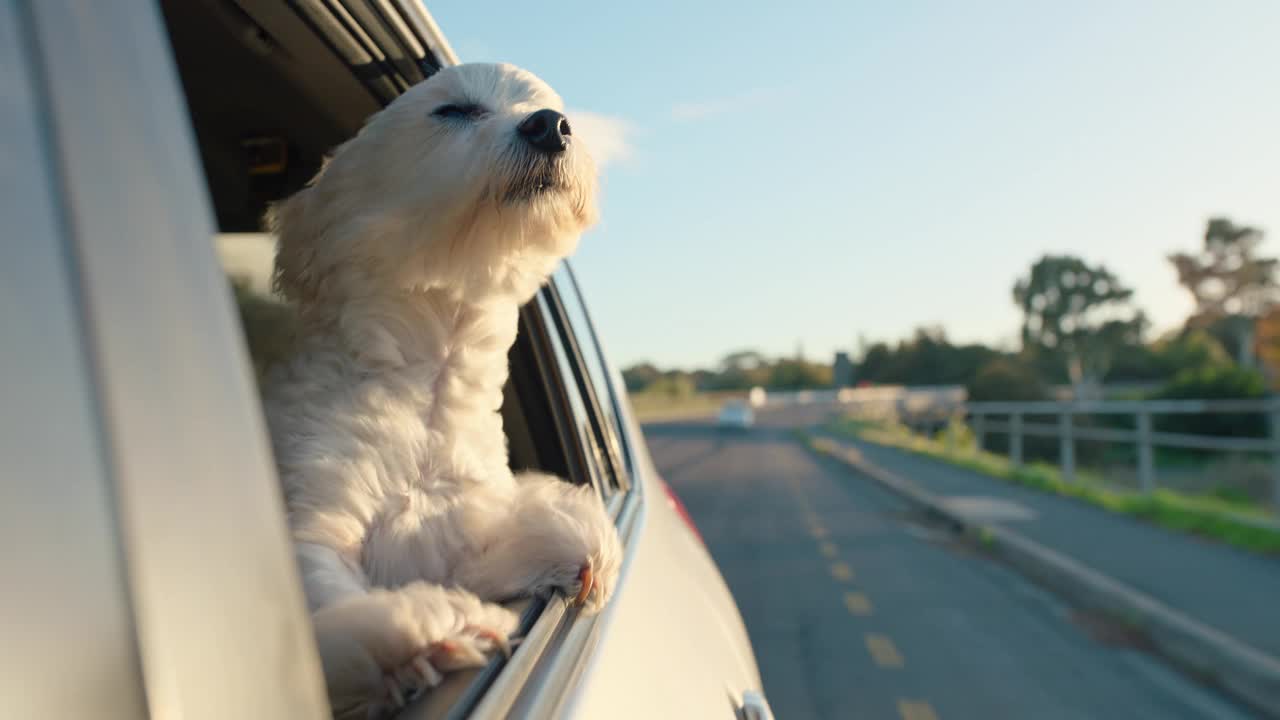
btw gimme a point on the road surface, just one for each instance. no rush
(856, 609)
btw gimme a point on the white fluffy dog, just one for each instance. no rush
(408, 256)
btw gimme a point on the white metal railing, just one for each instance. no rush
(1056, 419)
(1144, 437)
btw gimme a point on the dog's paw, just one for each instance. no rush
(380, 649)
(597, 573)
(585, 541)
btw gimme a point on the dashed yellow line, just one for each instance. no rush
(916, 710)
(818, 531)
(828, 549)
(858, 603)
(883, 651)
(841, 571)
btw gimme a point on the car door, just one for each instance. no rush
(156, 571)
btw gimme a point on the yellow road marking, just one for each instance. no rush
(818, 531)
(857, 603)
(828, 549)
(883, 651)
(916, 710)
(841, 571)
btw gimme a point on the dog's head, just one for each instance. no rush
(472, 181)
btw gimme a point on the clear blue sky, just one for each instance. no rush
(805, 172)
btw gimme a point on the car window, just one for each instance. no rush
(597, 380)
(585, 418)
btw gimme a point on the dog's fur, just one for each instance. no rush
(408, 257)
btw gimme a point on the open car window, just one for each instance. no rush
(554, 415)
(263, 125)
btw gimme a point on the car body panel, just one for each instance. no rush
(221, 626)
(66, 606)
(672, 629)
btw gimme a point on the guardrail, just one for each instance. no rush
(1144, 437)
(932, 407)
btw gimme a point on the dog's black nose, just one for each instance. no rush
(546, 130)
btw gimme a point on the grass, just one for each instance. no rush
(1210, 516)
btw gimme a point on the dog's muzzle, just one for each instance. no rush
(538, 159)
(546, 131)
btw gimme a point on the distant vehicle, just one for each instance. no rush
(138, 480)
(736, 414)
(757, 397)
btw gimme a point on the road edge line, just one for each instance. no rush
(1205, 653)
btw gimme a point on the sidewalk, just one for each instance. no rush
(1232, 590)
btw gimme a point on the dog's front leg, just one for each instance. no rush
(377, 646)
(553, 535)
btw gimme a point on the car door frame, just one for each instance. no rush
(215, 599)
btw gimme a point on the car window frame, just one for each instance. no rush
(558, 384)
(612, 381)
(192, 481)
(604, 417)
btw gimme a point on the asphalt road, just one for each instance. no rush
(856, 609)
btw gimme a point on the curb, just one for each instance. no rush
(1205, 653)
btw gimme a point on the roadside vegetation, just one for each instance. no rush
(1222, 516)
(671, 394)
(1081, 335)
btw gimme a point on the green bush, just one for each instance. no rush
(1189, 350)
(1007, 379)
(957, 435)
(676, 385)
(1220, 382)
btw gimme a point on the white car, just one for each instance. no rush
(736, 414)
(149, 571)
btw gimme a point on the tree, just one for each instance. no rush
(1232, 286)
(877, 360)
(790, 374)
(1078, 314)
(1006, 379)
(738, 370)
(927, 358)
(742, 360)
(639, 377)
(1268, 344)
(674, 383)
(1188, 350)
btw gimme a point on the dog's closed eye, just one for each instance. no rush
(460, 111)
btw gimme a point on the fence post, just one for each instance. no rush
(1146, 461)
(1015, 439)
(1273, 417)
(979, 430)
(1066, 445)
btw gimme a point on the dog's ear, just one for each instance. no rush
(296, 275)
